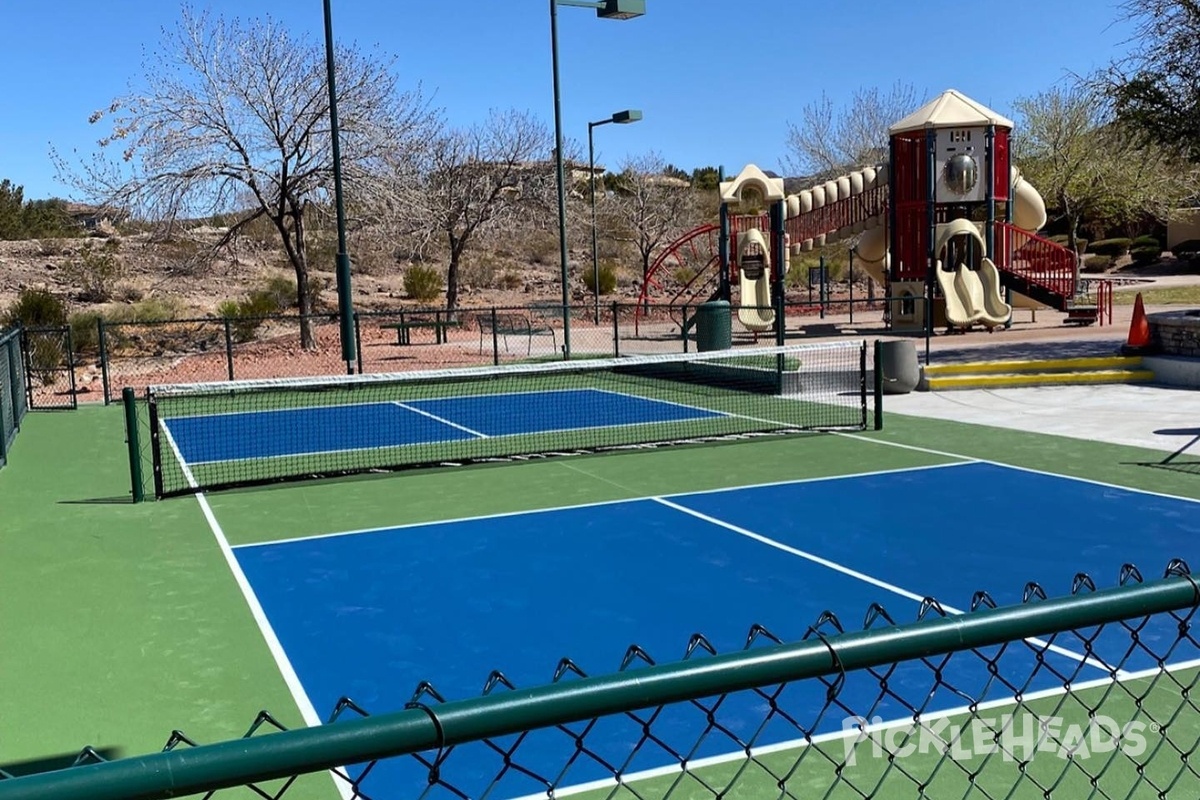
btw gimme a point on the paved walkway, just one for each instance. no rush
(1142, 416)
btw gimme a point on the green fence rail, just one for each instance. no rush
(1115, 717)
(14, 398)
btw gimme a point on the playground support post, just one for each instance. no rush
(723, 283)
(931, 203)
(850, 272)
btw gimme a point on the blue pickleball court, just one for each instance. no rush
(371, 614)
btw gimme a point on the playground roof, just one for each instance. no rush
(950, 109)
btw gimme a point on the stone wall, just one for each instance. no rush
(1175, 333)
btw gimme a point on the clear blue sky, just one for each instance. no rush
(717, 80)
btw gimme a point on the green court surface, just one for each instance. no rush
(123, 622)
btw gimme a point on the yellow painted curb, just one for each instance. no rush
(1045, 365)
(1038, 379)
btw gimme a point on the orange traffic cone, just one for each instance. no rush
(1139, 328)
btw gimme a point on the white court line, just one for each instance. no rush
(307, 711)
(833, 736)
(442, 420)
(1045, 473)
(853, 573)
(599, 503)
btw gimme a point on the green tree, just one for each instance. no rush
(12, 201)
(1156, 87)
(1090, 167)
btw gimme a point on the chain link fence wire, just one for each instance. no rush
(14, 400)
(216, 349)
(49, 367)
(1086, 695)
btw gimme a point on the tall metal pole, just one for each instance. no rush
(562, 189)
(345, 302)
(595, 247)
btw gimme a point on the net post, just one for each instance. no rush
(684, 328)
(616, 310)
(878, 385)
(228, 346)
(155, 442)
(131, 438)
(495, 340)
(102, 343)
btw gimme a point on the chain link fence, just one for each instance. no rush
(49, 367)
(14, 401)
(1088, 694)
(140, 354)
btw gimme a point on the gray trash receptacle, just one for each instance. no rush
(714, 326)
(899, 367)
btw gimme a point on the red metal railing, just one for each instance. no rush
(838, 215)
(1104, 301)
(1038, 261)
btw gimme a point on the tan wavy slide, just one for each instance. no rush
(754, 282)
(973, 296)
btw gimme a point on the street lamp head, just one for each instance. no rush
(627, 117)
(621, 9)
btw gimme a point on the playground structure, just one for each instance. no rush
(947, 227)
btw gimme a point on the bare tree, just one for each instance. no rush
(828, 141)
(241, 108)
(1090, 166)
(481, 177)
(651, 208)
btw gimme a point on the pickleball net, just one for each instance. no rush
(214, 436)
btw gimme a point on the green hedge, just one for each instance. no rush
(1097, 263)
(1111, 247)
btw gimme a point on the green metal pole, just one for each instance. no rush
(878, 385)
(563, 256)
(188, 771)
(345, 301)
(135, 450)
(595, 245)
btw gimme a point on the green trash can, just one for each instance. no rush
(714, 326)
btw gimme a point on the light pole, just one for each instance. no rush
(605, 9)
(345, 302)
(620, 118)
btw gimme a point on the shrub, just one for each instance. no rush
(85, 333)
(510, 280)
(1188, 249)
(1147, 242)
(1146, 254)
(279, 292)
(1097, 263)
(36, 308)
(608, 279)
(96, 272)
(152, 309)
(422, 282)
(1111, 247)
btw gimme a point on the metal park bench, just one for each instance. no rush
(439, 321)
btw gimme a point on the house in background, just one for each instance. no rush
(94, 218)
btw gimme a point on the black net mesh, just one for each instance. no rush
(217, 436)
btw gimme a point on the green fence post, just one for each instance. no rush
(878, 386)
(358, 342)
(102, 343)
(228, 347)
(616, 310)
(495, 340)
(131, 438)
